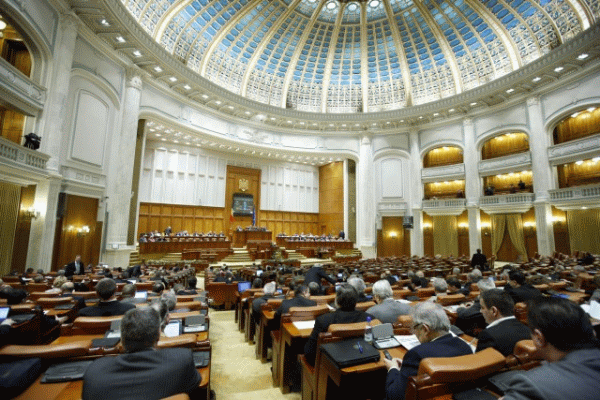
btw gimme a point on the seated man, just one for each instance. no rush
(387, 309)
(440, 286)
(191, 289)
(128, 293)
(108, 304)
(359, 285)
(143, 372)
(68, 290)
(503, 330)
(563, 336)
(519, 290)
(470, 319)
(269, 291)
(431, 326)
(346, 298)
(300, 299)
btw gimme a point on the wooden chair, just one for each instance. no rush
(93, 325)
(263, 330)
(324, 299)
(48, 351)
(181, 396)
(450, 299)
(445, 375)
(401, 293)
(424, 293)
(50, 302)
(36, 295)
(521, 312)
(364, 306)
(36, 287)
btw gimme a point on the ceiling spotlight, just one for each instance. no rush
(2, 25)
(104, 22)
(579, 162)
(163, 139)
(558, 69)
(204, 96)
(536, 79)
(120, 39)
(158, 69)
(473, 104)
(218, 102)
(137, 53)
(436, 114)
(451, 110)
(582, 56)
(510, 90)
(173, 79)
(187, 87)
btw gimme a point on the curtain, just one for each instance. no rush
(10, 197)
(498, 225)
(514, 224)
(445, 235)
(584, 228)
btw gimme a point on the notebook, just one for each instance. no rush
(115, 330)
(65, 372)
(141, 296)
(350, 352)
(383, 336)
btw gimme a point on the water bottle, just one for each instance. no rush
(368, 331)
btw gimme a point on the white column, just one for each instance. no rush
(471, 158)
(119, 186)
(416, 196)
(346, 206)
(41, 236)
(365, 210)
(54, 115)
(542, 176)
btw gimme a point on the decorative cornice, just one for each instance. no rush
(575, 197)
(27, 94)
(446, 172)
(574, 150)
(444, 206)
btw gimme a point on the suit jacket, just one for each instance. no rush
(503, 336)
(478, 259)
(389, 310)
(285, 306)
(470, 319)
(523, 293)
(322, 325)
(106, 309)
(576, 376)
(444, 346)
(315, 274)
(79, 301)
(71, 269)
(144, 375)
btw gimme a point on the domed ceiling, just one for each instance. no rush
(335, 56)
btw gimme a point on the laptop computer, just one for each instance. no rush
(194, 323)
(65, 372)
(141, 296)
(243, 286)
(383, 336)
(350, 352)
(201, 358)
(115, 330)
(4, 313)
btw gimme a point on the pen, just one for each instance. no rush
(360, 348)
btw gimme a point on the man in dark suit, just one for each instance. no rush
(68, 290)
(431, 326)
(315, 274)
(470, 319)
(479, 259)
(300, 299)
(75, 268)
(563, 335)
(108, 304)
(143, 372)
(519, 290)
(269, 293)
(503, 330)
(345, 300)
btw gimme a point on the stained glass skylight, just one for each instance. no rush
(338, 56)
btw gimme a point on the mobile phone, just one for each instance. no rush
(387, 354)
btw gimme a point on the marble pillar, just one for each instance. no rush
(116, 252)
(416, 196)
(54, 116)
(542, 177)
(365, 208)
(471, 158)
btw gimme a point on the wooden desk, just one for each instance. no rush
(293, 341)
(241, 238)
(350, 382)
(263, 334)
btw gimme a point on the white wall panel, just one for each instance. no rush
(90, 128)
(391, 177)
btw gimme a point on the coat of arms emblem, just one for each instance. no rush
(244, 184)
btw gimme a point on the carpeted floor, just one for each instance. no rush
(235, 372)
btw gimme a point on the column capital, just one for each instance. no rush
(533, 101)
(134, 78)
(468, 122)
(69, 21)
(365, 139)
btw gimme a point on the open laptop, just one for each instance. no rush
(4, 313)
(383, 336)
(115, 330)
(141, 296)
(194, 323)
(243, 286)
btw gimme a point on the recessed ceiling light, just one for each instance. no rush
(582, 56)
(158, 69)
(204, 96)
(104, 22)
(473, 104)
(420, 117)
(163, 139)
(187, 87)
(175, 141)
(451, 110)
(218, 102)
(584, 208)
(230, 107)
(579, 162)
(157, 135)
(289, 122)
(510, 90)
(173, 79)
(591, 109)
(137, 53)
(558, 69)
(574, 115)
(436, 114)
(247, 113)
(536, 79)
(120, 39)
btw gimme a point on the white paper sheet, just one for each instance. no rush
(408, 341)
(304, 324)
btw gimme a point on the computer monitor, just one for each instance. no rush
(243, 286)
(4, 313)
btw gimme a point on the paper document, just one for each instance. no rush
(408, 341)
(452, 308)
(593, 309)
(404, 301)
(304, 324)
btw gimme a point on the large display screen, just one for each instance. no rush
(243, 204)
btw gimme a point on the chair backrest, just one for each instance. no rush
(324, 299)
(521, 312)
(450, 299)
(33, 296)
(66, 350)
(307, 313)
(51, 302)
(401, 293)
(93, 325)
(350, 330)
(462, 368)
(364, 306)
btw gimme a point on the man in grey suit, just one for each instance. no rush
(563, 336)
(387, 309)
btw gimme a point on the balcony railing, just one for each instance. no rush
(12, 153)
(507, 203)
(446, 172)
(576, 194)
(444, 206)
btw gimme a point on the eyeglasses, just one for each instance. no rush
(414, 327)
